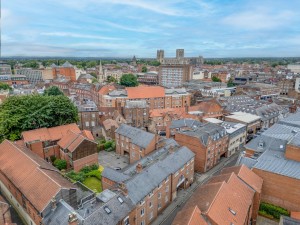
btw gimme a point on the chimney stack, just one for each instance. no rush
(171, 149)
(53, 203)
(73, 220)
(123, 189)
(139, 168)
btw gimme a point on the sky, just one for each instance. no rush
(123, 28)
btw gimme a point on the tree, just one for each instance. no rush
(4, 86)
(54, 91)
(215, 79)
(111, 79)
(154, 63)
(21, 113)
(144, 69)
(230, 83)
(93, 74)
(60, 164)
(129, 80)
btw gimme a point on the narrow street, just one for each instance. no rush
(167, 217)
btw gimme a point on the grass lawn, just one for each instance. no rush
(93, 183)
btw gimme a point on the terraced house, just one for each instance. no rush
(152, 183)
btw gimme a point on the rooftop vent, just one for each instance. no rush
(232, 211)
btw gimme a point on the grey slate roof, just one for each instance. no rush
(114, 175)
(289, 221)
(292, 119)
(205, 131)
(185, 123)
(144, 182)
(267, 142)
(138, 137)
(67, 64)
(275, 162)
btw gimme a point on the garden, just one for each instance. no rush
(272, 211)
(90, 176)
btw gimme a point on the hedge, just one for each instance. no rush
(272, 210)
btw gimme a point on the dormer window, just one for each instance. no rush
(261, 144)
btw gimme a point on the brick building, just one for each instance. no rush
(252, 122)
(208, 141)
(134, 142)
(152, 183)
(274, 156)
(136, 113)
(58, 141)
(209, 109)
(42, 196)
(230, 198)
(5, 215)
(149, 78)
(66, 70)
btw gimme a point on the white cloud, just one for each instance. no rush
(258, 19)
(76, 35)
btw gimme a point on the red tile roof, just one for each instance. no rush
(226, 199)
(109, 123)
(106, 89)
(72, 140)
(249, 177)
(38, 180)
(88, 134)
(49, 134)
(145, 92)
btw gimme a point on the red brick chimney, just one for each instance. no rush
(139, 168)
(73, 220)
(171, 149)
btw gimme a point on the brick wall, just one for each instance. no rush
(280, 190)
(292, 152)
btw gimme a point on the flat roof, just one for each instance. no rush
(244, 117)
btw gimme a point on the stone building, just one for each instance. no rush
(180, 59)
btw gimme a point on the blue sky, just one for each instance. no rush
(123, 28)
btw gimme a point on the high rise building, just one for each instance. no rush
(5, 69)
(174, 75)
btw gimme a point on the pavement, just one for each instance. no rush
(265, 221)
(113, 160)
(168, 215)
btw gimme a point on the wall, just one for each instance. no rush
(292, 152)
(280, 190)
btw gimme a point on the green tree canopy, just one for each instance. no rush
(129, 80)
(4, 86)
(54, 91)
(154, 63)
(21, 113)
(215, 79)
(111, 79)
(144, 69)
(230, 83)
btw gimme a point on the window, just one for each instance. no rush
(167, 188)
(143, 222)
(151, 215)
(166, 199)
(93, 123)
(87, 124)
(126, 220)
(142, 212)
(142, 202)
(150, 205)
(159, 205)
(159, 195)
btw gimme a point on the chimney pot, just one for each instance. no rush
(139, 168)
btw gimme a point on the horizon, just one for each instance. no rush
(123, 28)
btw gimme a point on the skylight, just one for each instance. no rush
(120, 200)
(107, 210)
